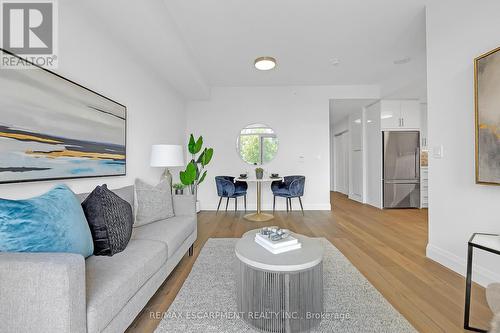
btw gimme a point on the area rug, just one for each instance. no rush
(207, 300)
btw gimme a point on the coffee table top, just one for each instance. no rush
(252, 254)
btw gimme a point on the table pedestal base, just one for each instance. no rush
(259, 217)
(280, 302)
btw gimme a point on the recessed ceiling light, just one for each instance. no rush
(402, 61)
(265, 63)
(335, 62)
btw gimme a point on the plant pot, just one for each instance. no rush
(197, 206)
(179, 191)
(259, 174)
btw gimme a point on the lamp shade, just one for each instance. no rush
(167, 156)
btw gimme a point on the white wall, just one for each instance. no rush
(300, 118)
(457, 32)
(155, 113)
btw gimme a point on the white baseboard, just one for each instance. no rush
(266, 207)
(355, 197)
(480, 275)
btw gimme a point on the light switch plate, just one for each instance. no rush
(437, 151)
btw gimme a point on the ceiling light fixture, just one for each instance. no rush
(265, 63)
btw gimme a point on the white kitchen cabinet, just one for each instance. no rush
(423, 126)
(400, 114)
(410, 114)
(424, 187)
(390, 114)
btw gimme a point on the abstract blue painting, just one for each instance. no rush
(53, 128)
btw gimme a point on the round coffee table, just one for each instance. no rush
(280, 292)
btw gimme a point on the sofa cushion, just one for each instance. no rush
(173, 231)
(126, 193)
(153, 203)
(113, 281)
(110, 220)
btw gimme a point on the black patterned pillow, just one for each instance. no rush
(110, 220)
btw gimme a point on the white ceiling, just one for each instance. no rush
(341, 108)
(145, 31)
(225, 36)
(196, 44)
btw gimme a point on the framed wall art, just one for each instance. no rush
(487, 115)
(53, 128)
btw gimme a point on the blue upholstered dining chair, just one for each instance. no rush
(290, 187)
(228, 188)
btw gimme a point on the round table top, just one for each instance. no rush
(252, 254)
(267, 179)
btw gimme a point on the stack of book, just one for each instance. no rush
(278, 246)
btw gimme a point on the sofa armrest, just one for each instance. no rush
(184, 205)
(42, 292)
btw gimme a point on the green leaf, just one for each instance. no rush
(198, 145)
(184, 178)
(200, 158)
(191, 144)
(197, 171)
(207, 156)
(188, 176)
(202, 177)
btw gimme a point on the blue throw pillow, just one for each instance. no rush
(52, 222)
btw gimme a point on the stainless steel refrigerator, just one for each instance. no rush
(401, 178)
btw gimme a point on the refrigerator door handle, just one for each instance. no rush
(416, 163)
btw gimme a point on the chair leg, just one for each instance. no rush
(286, 199)
(227, 203)
(245, 199)
(218, 206)
(235, 204)
(274, 203)
(301, 207)
(290, 199)
(191, 250)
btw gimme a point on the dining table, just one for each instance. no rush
(259, 216)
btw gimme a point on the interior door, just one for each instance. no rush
(341, 163)
(345, 144)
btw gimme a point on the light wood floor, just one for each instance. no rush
(386, 246)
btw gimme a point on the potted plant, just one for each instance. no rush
(259, 173)
(179, 188)
(195, 172)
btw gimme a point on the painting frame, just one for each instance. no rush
(477, 111)
(78, 86)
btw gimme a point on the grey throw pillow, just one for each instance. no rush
(153, 203)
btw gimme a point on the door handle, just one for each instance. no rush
(416, 163)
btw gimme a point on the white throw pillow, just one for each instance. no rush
(152, 203)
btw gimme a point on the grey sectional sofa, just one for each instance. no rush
(60, 292)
